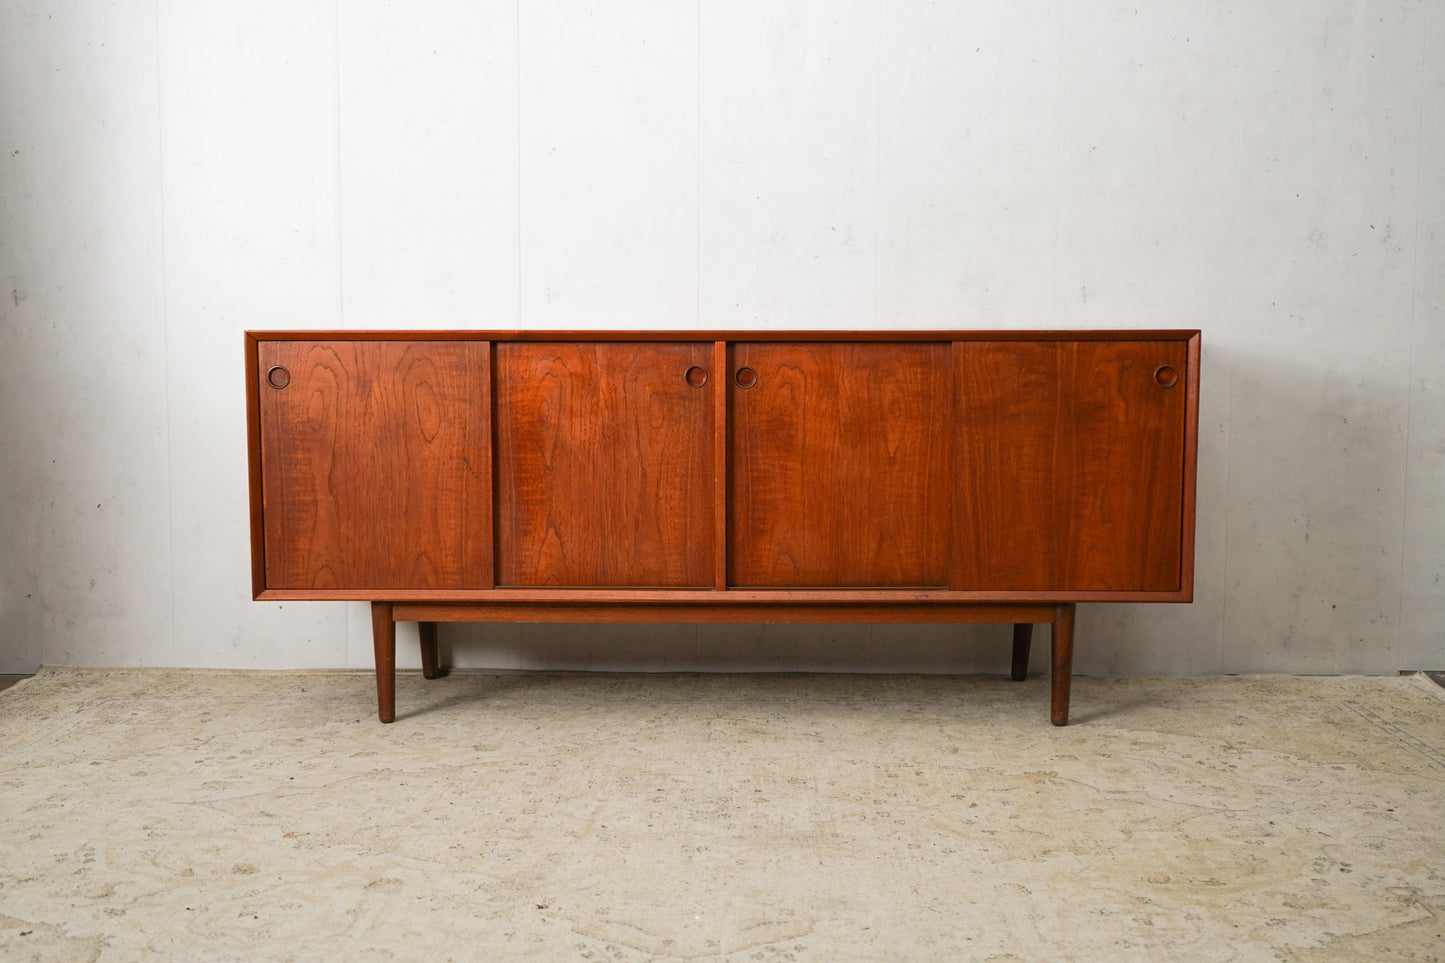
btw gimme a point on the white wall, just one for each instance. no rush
(173, 172)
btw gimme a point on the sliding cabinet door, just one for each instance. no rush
(374, 464)
(839, 460)
(1070, 465)
(605, 464)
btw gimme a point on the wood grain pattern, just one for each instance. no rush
(375, 465)
(604, 464)
(1070, 464)
(917, 477)
(921, 477)
(839, 465)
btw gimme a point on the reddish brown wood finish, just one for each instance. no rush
(721, 394)
(640, 483)
(374, 465)
(383, 640)
(692, 596)
(706, 596)
(669, 611)
(385, 615)
(839, 465)
(1061, 675)
(661, 334)
(1070, 463)
(1191, 457)
(253, 466)
(604, 465)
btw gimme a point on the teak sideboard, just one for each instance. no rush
(670, 476)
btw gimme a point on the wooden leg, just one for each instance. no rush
(430, 666)
(1063, 664)
(1023, 636)
(383, 638)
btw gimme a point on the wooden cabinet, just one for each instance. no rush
(723, 476)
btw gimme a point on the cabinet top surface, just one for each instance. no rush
(1130, 334)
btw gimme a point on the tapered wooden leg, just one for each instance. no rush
(383, 638)
(1023, 636)
(430, 665)
(1063, 664)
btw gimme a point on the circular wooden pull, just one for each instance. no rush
(278, 377)
(1165, 376)
(696, 377)
(746, 377)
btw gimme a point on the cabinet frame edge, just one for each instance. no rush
(253, 460)
(1191, 459)
(673, 334)
(704, 596)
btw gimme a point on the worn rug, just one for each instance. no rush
(158, 814)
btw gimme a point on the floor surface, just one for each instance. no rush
(199, 815)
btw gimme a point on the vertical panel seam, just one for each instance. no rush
(1414, 331)
(1227, 416)
(1058, 154)
(340, 180)
(340, 288)
(520, 251)
(165, 348)
(877, 162)
(720, 440)
(697, 184)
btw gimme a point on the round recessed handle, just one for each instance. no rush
(278, 377)
(695, 377)
(746, 377)
(1165, 376)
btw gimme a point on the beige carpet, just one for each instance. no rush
(203, 815)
